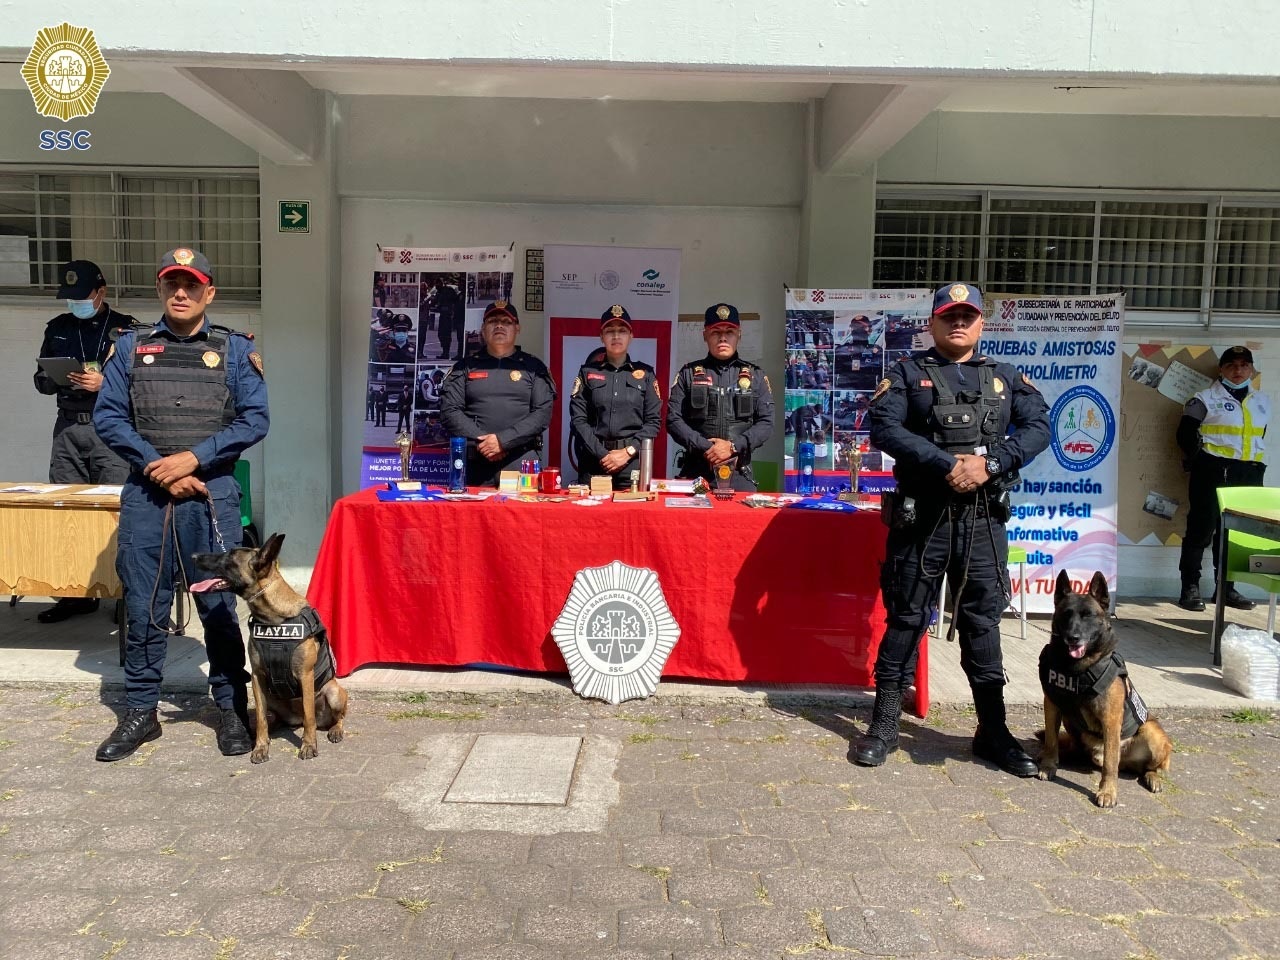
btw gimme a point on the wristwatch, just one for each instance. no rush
(993, 466)
(631, 450)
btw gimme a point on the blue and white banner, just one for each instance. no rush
(1064, 509)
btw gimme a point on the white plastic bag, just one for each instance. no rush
(1251, 662)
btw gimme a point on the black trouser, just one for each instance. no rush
(78, 454)
(1208, 473)
(404, 416)
(694, 464)
(912, 577)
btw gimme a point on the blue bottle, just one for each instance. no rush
(457, 464)
(805, 453)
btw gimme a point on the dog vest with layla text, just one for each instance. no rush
(1071, 689)
(275, 643)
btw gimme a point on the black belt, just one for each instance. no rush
(616, 444)
(76, 417)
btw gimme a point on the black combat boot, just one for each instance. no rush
(1232, 597)
(992, 741)
(881, 738)
(135, 728)
(1190, 598)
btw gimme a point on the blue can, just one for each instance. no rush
(457, 464)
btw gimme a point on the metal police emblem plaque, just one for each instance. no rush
(515, 375)
(959, 293)
(616, 310)
(183, 257)
(722, 312)
(210, 358)
(71, 278)
(615, 632)
(65, 72)
(637, 374)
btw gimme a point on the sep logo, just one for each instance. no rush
(1084, 428)
(64, 140)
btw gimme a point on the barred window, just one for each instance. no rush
(1187, 258)
(124, 222)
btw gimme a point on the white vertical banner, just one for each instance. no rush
(1064, 508)
(582, 282)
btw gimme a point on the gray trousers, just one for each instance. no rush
(79, 456)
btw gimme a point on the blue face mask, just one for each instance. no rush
(83, 309)
(1236, 386)
(401, 339)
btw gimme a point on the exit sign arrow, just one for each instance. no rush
(295, 216)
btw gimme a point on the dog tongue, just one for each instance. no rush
(204, 586)
(1076, 652)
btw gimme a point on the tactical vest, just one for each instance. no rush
(962, 425)
(276, 642)
(1233, 430)
(722, 411)
(178, 389)
(1070, 690)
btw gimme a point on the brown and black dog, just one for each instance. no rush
(293, 669)
(1087, 687)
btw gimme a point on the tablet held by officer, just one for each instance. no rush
(616, 403)
(959, 425)
(721, 407)
(499, 398)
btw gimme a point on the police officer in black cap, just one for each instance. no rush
(500, 398)
(721, 407)
(397, 346)
(958, 424)
(615, 404)
(86, 333)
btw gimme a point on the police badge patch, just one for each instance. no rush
(255, 358)
(577, 386)
(515, 376)
(881, 389)
(637, 374)
(998, 384)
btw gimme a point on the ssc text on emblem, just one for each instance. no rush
(615, 632)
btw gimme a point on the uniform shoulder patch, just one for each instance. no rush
(255, 358)
(767, 386)
(1027, 381)
(881, 389)
(577, 386)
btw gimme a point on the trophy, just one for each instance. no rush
(853, 456)
(723, 489)
(405, 442)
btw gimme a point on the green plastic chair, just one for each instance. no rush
(1241, 547)
(249, 531)
(1017, 555)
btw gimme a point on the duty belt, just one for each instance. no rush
(76, 417)
(616, 444)
(276, 642)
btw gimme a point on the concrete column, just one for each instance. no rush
(300, 314)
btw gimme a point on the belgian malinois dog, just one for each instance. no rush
(1087, 687)
(288, 649)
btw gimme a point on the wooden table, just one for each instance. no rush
(1256, 523)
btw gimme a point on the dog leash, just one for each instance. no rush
(168, 528)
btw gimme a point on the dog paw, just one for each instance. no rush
(1106, 797)
(259, 755)
(335, 735)
(307, 751)
(1047, 773)
(1151, 780)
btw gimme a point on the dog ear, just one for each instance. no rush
(1098, 590)
(1063, 586)
(267, 555)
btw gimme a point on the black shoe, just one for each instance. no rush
(1190, 598)
(1234, 598)
(881, 738)
(233, 734)
(135, 728)
(1004, 751)
(66, 608)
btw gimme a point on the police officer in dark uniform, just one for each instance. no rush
(721, 407)
(180, 402)
(86, 333)
(500, 398)
(946, 416)
(397, 346)
(616, 403)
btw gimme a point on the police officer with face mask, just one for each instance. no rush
(958, 424)
(85, 333)
(721, 407)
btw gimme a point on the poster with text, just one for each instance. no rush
(582, 282)
(1064, 506)
(839, 343)
(425, 312)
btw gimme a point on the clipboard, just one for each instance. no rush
(57, 368)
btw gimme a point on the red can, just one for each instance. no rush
(550, 480)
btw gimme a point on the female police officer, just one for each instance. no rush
(945, 416)
(615, 404)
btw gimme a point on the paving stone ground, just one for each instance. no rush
(739, 831)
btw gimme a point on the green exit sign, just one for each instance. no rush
(295, 216)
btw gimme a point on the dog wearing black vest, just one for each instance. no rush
(1087, 688)
(292, 664)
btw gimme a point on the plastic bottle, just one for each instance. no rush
(457, 464)
(805, 453)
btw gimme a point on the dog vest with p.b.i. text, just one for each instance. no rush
(276, 642)
(1070, 689)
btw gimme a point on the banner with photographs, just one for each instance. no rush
(1064, 507)
(1159, 380)
(839, 343)
(425, 312)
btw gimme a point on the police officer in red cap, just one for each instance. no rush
(721, 407)
(957, 424)
(1220, 435)
(500, 398)
(615, 405)
(85, 333)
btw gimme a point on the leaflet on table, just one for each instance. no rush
(36, 488)
(698, 502)
(103, 490)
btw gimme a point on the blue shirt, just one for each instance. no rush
(113, 414)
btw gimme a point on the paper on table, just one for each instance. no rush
(36, 488)
(101, 491)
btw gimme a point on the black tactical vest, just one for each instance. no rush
(963, 423)
(178, 389)
(275, 643)
(1070, 689)
(716, 411)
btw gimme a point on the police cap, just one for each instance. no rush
(502, 308)
(1231, 354)
(721, 314)
(616, 313)
(79, 279)
(955, 295)
(186, 260)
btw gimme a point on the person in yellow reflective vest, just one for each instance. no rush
(1221, 436)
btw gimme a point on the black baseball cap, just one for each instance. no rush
(1235, 353)
(721, 314)
(501, 308)
(78, 280)
(187, 260)
(617, 312)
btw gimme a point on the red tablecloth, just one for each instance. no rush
(773, 596)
